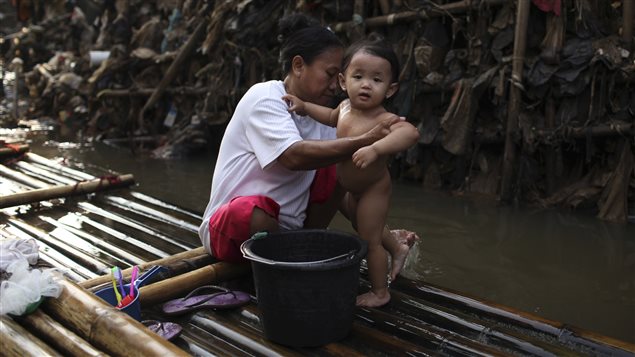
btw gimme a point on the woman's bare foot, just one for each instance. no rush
(406, 239)
(370, 299)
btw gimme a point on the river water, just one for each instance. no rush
(556, 264)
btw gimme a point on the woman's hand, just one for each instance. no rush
(383, 128)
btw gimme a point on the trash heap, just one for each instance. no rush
(528, 101)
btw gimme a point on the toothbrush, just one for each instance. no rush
(133, 278)
(119, 278)
(114, 285)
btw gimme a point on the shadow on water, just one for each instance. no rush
(559, 265)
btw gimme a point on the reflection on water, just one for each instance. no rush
(559, 265)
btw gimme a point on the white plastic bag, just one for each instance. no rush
(26, 287)
(15, 249)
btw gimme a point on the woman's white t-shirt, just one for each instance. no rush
(259, 131)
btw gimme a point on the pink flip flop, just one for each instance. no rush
(222, 299)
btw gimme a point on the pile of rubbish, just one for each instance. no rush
(529, 101)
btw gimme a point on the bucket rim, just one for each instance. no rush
(343, 260)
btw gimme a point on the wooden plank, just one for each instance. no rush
(81, 188)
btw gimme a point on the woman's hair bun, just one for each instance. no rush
(293, 23)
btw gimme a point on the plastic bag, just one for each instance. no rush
(16, 249)
(23, 291)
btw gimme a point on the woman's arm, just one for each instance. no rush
(313, 154)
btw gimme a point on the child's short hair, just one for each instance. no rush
(375, 46)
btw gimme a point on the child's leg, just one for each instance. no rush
(397, 241)
(371, 213)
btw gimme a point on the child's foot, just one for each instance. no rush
(370, 299)
(406, 239)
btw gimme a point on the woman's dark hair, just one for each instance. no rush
(303, 36)
(375, 46)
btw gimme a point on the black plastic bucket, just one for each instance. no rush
(306, 283)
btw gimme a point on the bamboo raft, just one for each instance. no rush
(83, 233)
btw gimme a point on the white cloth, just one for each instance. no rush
(259, 131)
(16, 249)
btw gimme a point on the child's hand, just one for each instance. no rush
(295, 104)
(365, 156)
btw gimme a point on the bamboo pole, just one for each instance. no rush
(441, 341)
(628, 16)
(146, 92)
(80, 188)
(602, 130)
(107, 248)
(469, 326)
(133, 139)
(174, 269)
(182, 284)
(22, 178)
(167, 261)
(409, 16)
(71, 269)
(104, 326)
(251, 341)
(44, 173)
(176, 66)
(550, 157)
(384, 5)
(549, 134)
(71, 249)
(357, 28)
(58, 336)
(58, 168)
(248, 322)
(13, 150)
(567, 335)
(16, 341)
(389, 343)
(202, 343)
(515, 99)
(370, 339)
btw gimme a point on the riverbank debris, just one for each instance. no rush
(527, 101)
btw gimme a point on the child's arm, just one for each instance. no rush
(324, 115)
(402, 136)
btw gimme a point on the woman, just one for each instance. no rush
(265, 174)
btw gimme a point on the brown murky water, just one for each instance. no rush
(559, 265)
